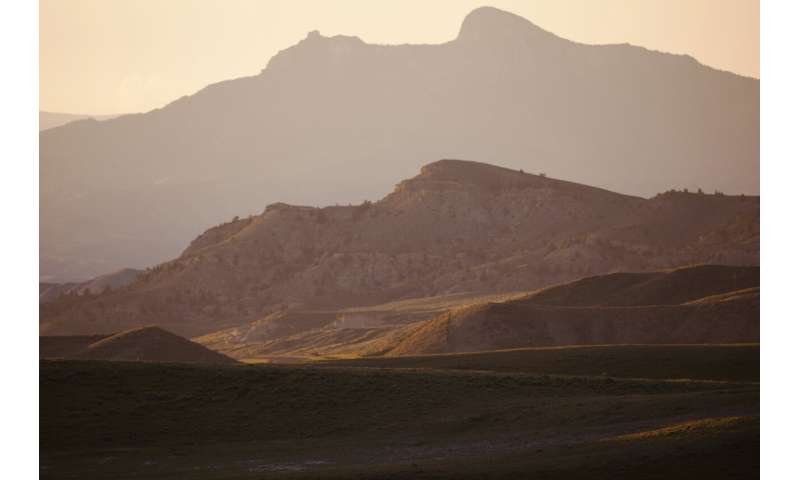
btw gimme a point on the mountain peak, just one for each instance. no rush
(485, 23)
(315, 49)
(314, 37)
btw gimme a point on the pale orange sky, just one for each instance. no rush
(117, 56)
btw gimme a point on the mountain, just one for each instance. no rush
(51, 120)
(670, 287)
(734, 319)
(658, 308)
(337, 120)
(142, 344)
(367, 330)
(697, 304)
(49, 291)
(456, 227)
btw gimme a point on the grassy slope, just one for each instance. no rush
(668, 287)
(720, 305)
(301, 332)
(129, 420)
(709, 362)
(519, 324)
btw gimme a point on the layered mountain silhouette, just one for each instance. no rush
(457, 227)
(334, 119)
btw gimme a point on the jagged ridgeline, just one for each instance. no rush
(334, 119)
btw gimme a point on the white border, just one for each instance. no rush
(780, 187)
(19, 238)
(780, 225)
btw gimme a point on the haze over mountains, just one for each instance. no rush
(333, 119)
(49, 292)
(52, 119)
(456, 227)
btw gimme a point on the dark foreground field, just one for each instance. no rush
(699, 362)
(136, 420)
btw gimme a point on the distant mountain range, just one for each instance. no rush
(49, 291)
(334, 119)
(457, 227)
(51, 119)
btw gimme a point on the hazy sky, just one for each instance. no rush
(116, 56)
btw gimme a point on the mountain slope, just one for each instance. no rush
(518, 325)
(349, 331)
(456, 227)
(698, 304)
(150, 344)
(701, 304)
(133, 190)
(671, 287)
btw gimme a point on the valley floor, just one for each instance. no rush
(338, 420)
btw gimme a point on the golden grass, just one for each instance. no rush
(703, 427)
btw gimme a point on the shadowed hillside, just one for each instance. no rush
(521, 323)
(145, 344)
(456, 227)
(698, 304)
(345, 119)
(670, 287)
(310, 333)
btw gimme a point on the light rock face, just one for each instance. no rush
(334, 119)
(456, 227)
